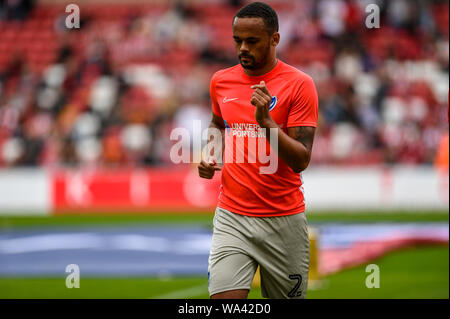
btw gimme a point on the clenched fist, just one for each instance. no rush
(261, 98)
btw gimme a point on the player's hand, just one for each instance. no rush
(206, 169)
(261, 98)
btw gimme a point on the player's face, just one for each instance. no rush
(253, 43)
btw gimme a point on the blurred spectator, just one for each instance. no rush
(15, 9)
(442, 156)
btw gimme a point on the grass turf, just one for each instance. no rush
(412, 273)
(12, 222)
(418, 273)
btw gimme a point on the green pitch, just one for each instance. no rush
(10, 223)
(414, 273)
(418, 272)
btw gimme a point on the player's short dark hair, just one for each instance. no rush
(260, 10)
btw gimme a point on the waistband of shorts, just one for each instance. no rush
(298, 210)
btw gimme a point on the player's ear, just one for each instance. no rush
(275, 39)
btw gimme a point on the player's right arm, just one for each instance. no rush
(209, 165)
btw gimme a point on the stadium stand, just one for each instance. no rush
(109, 93)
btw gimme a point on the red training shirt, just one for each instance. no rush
(244, 189)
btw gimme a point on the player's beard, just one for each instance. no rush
(255, 65)
(251, 65)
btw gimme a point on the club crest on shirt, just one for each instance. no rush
(273, 103)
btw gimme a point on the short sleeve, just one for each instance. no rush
(212, 92)
(304, 104)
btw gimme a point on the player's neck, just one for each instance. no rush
(266, 69)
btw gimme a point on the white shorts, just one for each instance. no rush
(279, 245)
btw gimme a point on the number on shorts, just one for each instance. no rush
(294, 292)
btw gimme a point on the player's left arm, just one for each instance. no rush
(303, 135)
(295, 147)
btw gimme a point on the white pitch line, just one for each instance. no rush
(184, 293)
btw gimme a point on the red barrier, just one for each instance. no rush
(149, 190)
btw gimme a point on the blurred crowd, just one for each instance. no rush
(110, 92)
